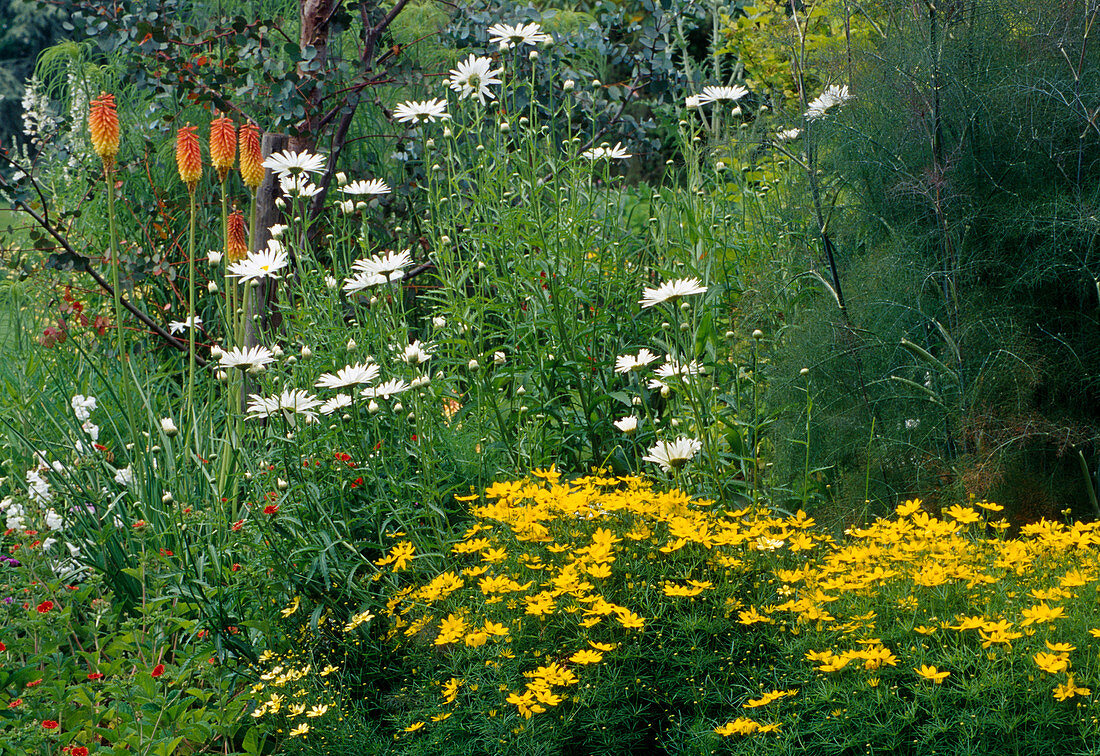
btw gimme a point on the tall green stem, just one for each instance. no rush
(191, 315)
(108, 176)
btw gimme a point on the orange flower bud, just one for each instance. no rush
(252, 170)
(223, 145)
(103, 123)
(189, 156)
(236, 246)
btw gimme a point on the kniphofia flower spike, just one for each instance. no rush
(189, 156)
(103, 125)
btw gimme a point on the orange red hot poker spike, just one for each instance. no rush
(103, 125)
(223, 145)
(252, 170)
(189, 156)
(236, 245)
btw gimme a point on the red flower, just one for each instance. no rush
(2, 646)
(95, 675)
(271, 509)
(236, 566)
(49, 724)
(45, 606)
(238, 525)
(33, 683)
(343, 456)
(79, 751)
(16, 703)
(157, 670)
(357, 482)
(166, 552)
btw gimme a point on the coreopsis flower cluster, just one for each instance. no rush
(564, 562)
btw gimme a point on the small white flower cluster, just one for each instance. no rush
(83, 407)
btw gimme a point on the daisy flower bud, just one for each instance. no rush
(223, 145)
(252, 169)
(189, 156)
(103, 124)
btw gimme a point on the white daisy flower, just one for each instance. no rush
(362, 281)
(788, 135)
(263, 263)
(415, 354)
(670, 291)
(289, 403)
(604, 151)
(371, 186)
(298, 186)
(352, 375)
(672, 369)
(385, 390)
(473, 77)
(252, 358)
(714, 94)
(692, 102)
(390, 265)
(507, 36)
(287, 163)
(421, 111)
(627, 424)
(168, 425)
(832, 97)
(627, 363)
(179, 326)
(337, 402)
(672, 455)
(213, 257)
(277, 231)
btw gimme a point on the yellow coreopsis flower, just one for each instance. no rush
(931, 673)
(1051, 663)
(1069, 690)
(586, 656)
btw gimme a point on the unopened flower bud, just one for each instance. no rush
(281, 484)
